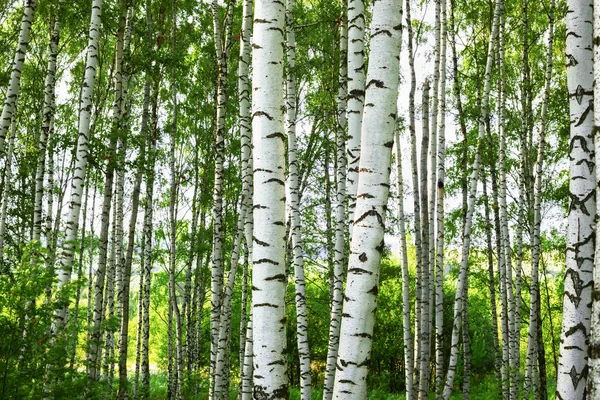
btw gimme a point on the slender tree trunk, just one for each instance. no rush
(416, 197)
(466, 342)
(340, 219)
(294, 207)
(6, 178)
(47, 126)
(483, 116)
(572, 366)
(14, 85)
(407, 334)
(424, 277)
(594, 339)
(379, 122)
(247, 184)
(534, 306)
(269, 279)
(65, 258)
(99, 302)
(75, 323)
(248, 366)
(493, 306)
(441, 172)
(355, 96)
(217, 268)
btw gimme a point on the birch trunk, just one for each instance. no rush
(594, 339)
(493, 306)
(248, 368)
(424, 277)
(177, 382)
(534, 305)
(483, 116)
(572, 364)
(379, 122)
(217, 268)
(14, 85)
(47, 126)
(416, 197)
(247, 183)
(407, 334)
(355, 96)
(6, 178)
(221, 382)
(65, 258)
(441, 173)
(294, 206)
(99, 302)
(269, 279)
(340, 219)
(513, 340)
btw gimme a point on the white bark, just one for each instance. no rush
(248, 366)
(14, 85)
(65, 258)
(379, 121)
(534, 304)
(424, 277)
(572, 366)
(6, 177)
(269, 279)
(340, 220)
(594, 340)
(441, 173)
(294, 206)
(356, 95)
(217, 267)
(407, 334)
(47, 126)
(482, 120)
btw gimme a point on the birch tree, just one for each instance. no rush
(379, 121)
(268, 254)
(572, 366)
(294, 205)
(47, 127)
(356, 95)
(65, 259)
(534, 304)
(483, 115)
(340, 219)
(14, 84)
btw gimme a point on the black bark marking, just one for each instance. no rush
(275, 180)
(573, 329)
(380, 247)
(266, 305)
(276, 135)
(577, 377)
(359, 271)
(278, 277)
(390, 143)
(383, 31)
(262, 114)
(590, 108)
(260, 242)
(266, 261)
(374, 290)
(348, 381)
(370, 213)
(363, 257)
(375, 82)
(365, 196)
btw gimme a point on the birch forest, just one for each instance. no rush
(299, 199)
